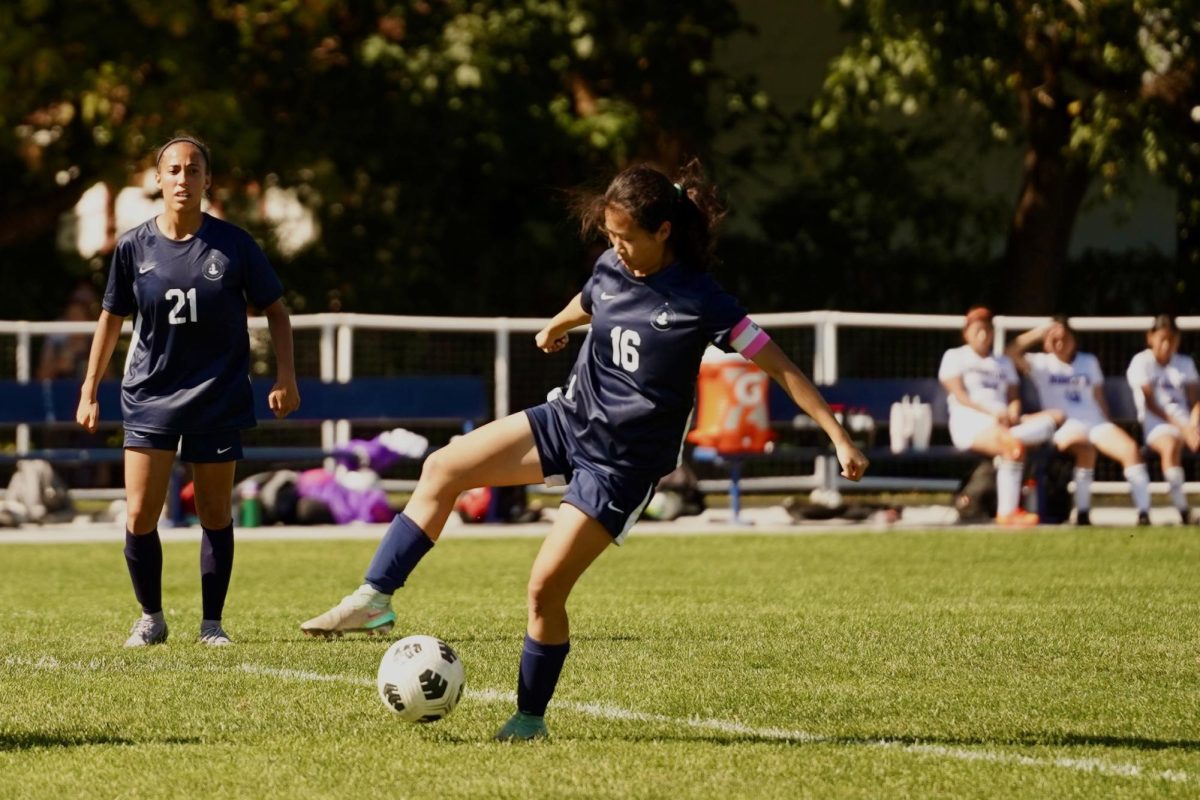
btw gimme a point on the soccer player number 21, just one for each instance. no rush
(182, 299)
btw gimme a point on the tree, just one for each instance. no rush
(430, 139)
(1085, 89)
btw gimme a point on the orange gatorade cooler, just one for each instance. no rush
(731, 410)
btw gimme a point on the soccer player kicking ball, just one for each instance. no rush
(187, 276)
(610, 433)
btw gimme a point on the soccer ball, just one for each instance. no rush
(421, 679)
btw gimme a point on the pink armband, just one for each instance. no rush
(747, 338)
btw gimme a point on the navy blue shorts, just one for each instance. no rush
(196, 448)
(613, 501)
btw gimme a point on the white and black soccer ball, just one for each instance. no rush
(421, 678)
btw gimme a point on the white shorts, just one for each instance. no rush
(1155, 427)
(1075, 429)
(966, 424)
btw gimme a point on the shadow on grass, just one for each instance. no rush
(884, 740)
(1092, 740)
(33, 740)
(513, 639)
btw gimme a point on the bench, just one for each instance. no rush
(448, 400)
(875, 397)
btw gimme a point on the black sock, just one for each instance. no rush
(541, 665)
(143, 555)
(216, 565)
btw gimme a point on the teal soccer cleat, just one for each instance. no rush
(522, 727)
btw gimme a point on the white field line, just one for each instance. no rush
(1091, 765)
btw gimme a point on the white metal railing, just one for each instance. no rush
(336, 351)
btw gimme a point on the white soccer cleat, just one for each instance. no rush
(212, 634)
(365, 611)
(149, 629)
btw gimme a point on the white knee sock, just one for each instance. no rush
(1008, 486)
(1174, 476)
(1139, 486)
(1034, 431)
(1083, 488)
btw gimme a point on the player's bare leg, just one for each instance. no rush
(501, 453)
(1084, 456)
(999, 441)
(575, 542)
(1170, 451)
(147, 475)
(214, 493)
(1120, 446)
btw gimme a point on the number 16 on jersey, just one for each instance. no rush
(625, 344)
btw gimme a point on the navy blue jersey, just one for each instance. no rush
(629, 398)
(189, 362)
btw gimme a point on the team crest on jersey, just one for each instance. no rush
(214, 266)
(664, 317)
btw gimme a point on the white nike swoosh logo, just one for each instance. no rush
(606, 296)
(144, 270)
(139, 434)
(223, 450)
(614, 508)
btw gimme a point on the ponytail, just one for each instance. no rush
(690, 204)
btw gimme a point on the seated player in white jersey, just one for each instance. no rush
(982, 394)
(1073, 383)
(1166, 390)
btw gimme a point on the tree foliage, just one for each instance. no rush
(1086, 91)
(431, 139)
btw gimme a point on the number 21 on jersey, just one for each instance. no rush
(181, 299)
(625, 344)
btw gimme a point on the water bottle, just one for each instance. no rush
(251, 505)
(1029, 496)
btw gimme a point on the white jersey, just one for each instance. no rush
(1169, 382)
(986, 378)
(1070, 388)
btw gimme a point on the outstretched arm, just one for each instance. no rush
(553, 337)
(775, 363)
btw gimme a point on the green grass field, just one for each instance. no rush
(947, 664)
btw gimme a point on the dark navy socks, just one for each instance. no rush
(401, 548)
(541, 665)
(143, 555)
(216, 565)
